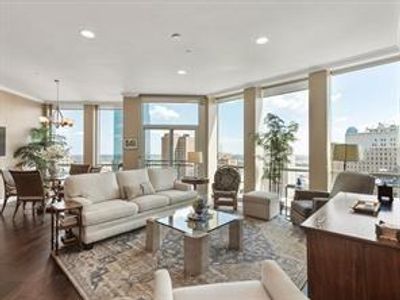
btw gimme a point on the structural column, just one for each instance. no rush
(132, 130)
(252, 119)
(319, 145)
(90, 134)
(211, 137)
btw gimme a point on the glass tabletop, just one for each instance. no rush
(180, 221)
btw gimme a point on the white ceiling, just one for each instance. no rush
(40, 41)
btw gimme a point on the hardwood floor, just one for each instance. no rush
(26, 269)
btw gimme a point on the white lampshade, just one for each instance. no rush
(195, 157)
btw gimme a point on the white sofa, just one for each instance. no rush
(106, 209)
(274, 285)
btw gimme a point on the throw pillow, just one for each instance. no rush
(133, 191)
(147, 188)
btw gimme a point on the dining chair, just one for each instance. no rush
(9, 187)
(29, 186)
(76, 169)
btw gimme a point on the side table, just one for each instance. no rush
(64, 217)
(195, 181)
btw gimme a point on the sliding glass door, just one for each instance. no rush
(170, 132)
(169, 147)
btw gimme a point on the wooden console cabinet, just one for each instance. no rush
(345, 259)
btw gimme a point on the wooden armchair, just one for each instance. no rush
(9, 187)
(306, 202)
(226, 186)
(29, 187)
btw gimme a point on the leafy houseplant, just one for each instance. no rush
(43, 151)
(277, 145)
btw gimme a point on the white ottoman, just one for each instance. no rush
(261, 205)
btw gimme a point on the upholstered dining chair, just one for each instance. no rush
(9, 187)
(29, 187)
(226, 187)
(76, 169)
(306, 202)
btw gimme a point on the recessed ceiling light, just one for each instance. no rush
(182, 72)
(262, 40)
(87, 34)
(176, 37)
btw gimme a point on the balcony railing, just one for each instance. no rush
(183, 167)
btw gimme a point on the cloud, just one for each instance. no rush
(293, 102)
(336, 97)
(160, 112)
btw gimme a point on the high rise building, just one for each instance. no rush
(181, 145)
(379, 148)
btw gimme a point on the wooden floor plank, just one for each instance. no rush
(26, 269)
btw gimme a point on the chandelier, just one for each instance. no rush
(57, 118)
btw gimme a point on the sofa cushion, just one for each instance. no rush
(149, 202)
(131, 178)
(95, 187)
(133, 191)
(147, 188)
(176, 196)
(253, 290)
(162, 178)
(108, 211)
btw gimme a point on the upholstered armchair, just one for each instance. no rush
(274, 284)
(226, 186)
(306, 202)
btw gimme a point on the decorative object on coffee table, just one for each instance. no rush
(200, 207)
(195, 181)
(196, 238)
(64, 217)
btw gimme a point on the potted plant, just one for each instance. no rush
(277, 145)
(44, 150)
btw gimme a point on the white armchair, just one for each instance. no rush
(274, 284)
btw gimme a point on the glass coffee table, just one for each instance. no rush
(196, 235)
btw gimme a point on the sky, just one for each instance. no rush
(361, 98)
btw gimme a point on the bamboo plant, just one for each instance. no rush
(276, 142)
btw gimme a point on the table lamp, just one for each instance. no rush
(345, 153)
(196, 158)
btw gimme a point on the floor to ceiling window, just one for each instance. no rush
(365, 114)
(170, 132)
(230, 146)
(290, 103)
(110, 138)
(73, 135)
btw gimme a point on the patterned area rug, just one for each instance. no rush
(119, 268)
